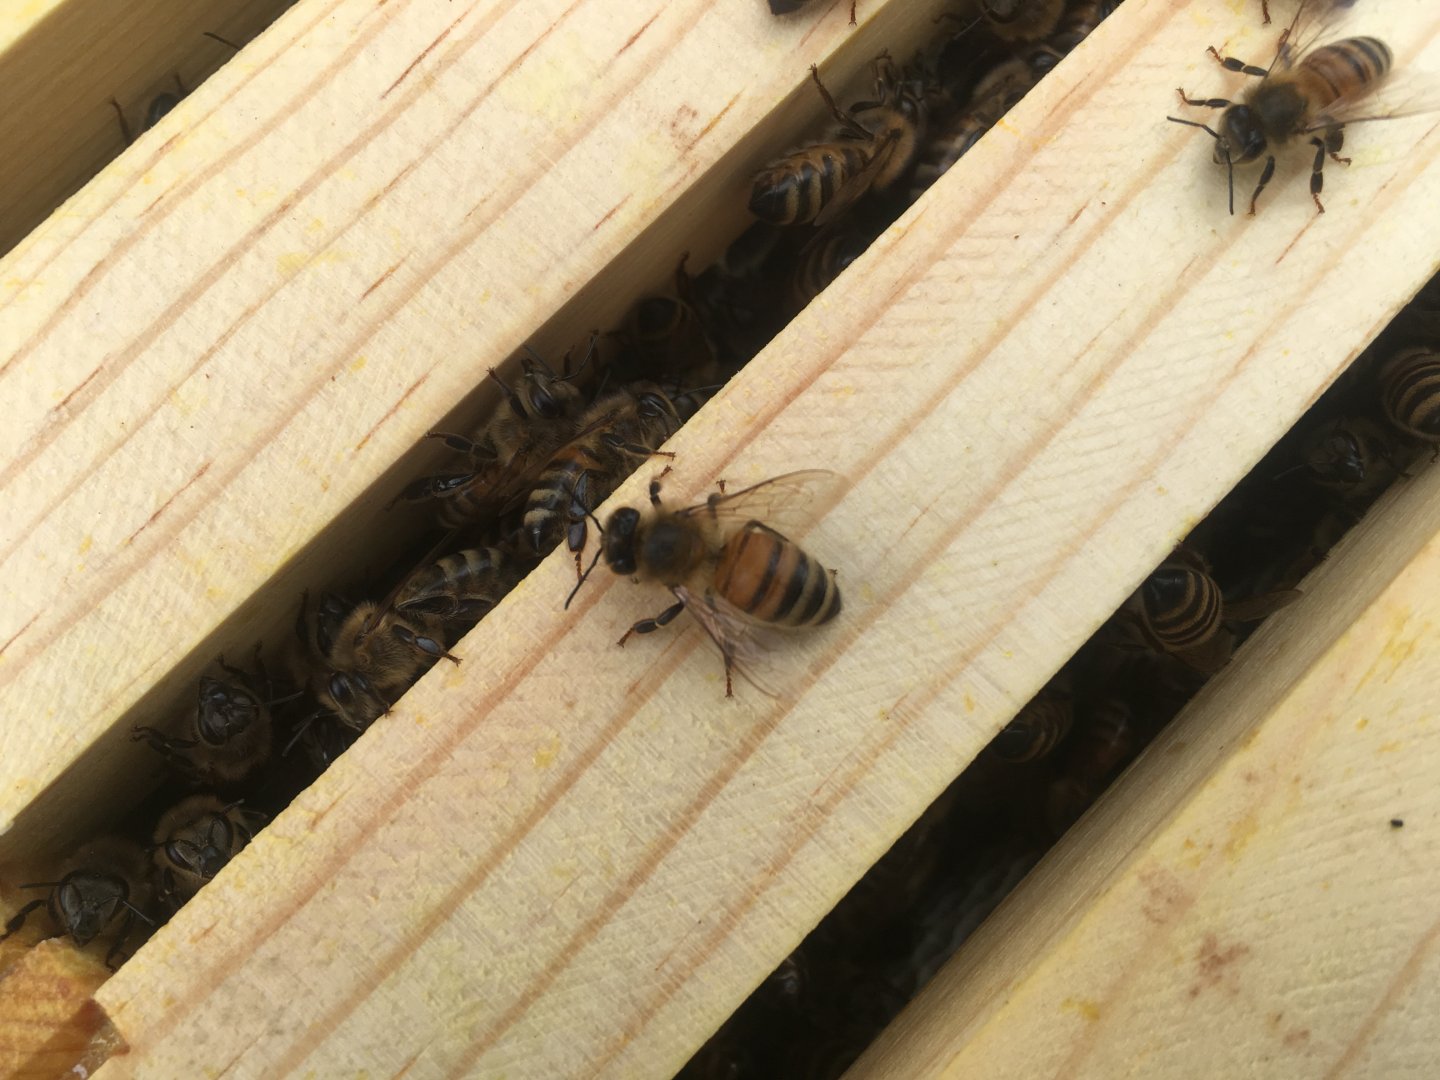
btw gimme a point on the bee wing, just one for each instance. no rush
(782, 502)
(1314, 20)
(740, 639)
(860, 183)
(1410, 93)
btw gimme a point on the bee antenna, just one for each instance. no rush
(228, 45)
(599, 549)
(40, 884)
(137, 912)
(1229, 164)
(300, 730)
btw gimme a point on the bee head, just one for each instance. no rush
(85, 902)
(225, 711)
(1241, 137)
(619, 541)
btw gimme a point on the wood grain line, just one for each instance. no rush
(426, 52)
(636, 36)
(518, 186)
(135, 181)
(204, 468)
(1406, 976)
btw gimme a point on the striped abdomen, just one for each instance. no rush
(564, 484)
(1343, 69)
(463, 585)
(1410, 392)
(1036, 730)
(796, 188)
(772, 580)
(1182, 606)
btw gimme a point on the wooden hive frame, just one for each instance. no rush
(1030, 387)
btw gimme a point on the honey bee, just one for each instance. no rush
(787, 7)
(1100, 748)
(462, 586)
(666, 334)
(1036, 730)
(527, 428)
(823, 259)
(102, 890)
(725, 565)
(1305, 92)
(1079, 22)
(1410, 392)
(994, 95)
(1022, 20)
(618, 433)
(227, 737)
(363, 657)
(1351, 456)
(872, 147)
(194, 839)
(1182, 611)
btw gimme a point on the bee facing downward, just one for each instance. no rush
(732, 571)
(1306, 92)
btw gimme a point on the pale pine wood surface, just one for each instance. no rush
(1239, 904)
(61, 62)
(562, 859)
(212, 357)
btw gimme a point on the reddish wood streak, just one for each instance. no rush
(636, 36)
(609, 213)
(65, 404)
(17, 633)
(711, 125)
(392, 410)
(423, 54)
(166, 504)
(382, 278)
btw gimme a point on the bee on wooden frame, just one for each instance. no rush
(872, 147)
(529, 425)
(1021, 20)
(1308, 90)
(618, 434)
(1410, 393)
(787, 7)
(725, 565)
(362, 657)
(227, 737)
(194, 839)
(1181, 611)
(102, 890)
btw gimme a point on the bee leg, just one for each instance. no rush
(516, 405)
(124, 125)
(459, 443)
(18, 919)
(1265, 176)
(1317, 171)
(1229, 63)
(1208, 103)
(844, 119)
(852, 11)
(649, 626)
(1265, 12)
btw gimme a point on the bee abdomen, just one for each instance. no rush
(771, 579)
(1182, 607)
(1036, 730)
(1340, 69)
(795, 189)
(1410, 392)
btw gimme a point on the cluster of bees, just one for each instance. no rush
(1379, 423)
(531, 475)
(848, 979)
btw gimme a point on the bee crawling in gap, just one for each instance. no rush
(617, 434)
(786, 7)
(461, 587)
(871, 148)
(1307, 91)
(229, 734)
(1021, 20)
(530, 424)
(361, 657)
(1410, 393)
(725, 565)
(194, 839)
(103, 888)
